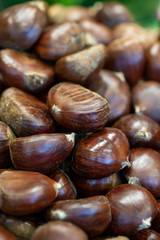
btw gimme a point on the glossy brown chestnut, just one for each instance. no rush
(144, 169)
(17, 30)
(133, 208)
(140, 130)
(111, 238)
(24, 113)
(100, 32)
(24, 71)
(20, 227)
(6, 135)
(126, 55)
(152, 69)
(113, 87)
(91, 214)
(156, 221)
(92, 187)
(60, 40)
(79, 66)
(67, 189)
(42, 152)
(58, 230)
(146, 234)
(77, 108)
(101, 154)
(24, 192)
(5, 235)
(114, 13)
(146, 100)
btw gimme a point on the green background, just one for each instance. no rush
(143, 10)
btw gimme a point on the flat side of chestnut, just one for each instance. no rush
(24, 113)
(24, 71)
(101, 154)
(42, 152)
(91, 214)
(23, 192)
(77, 108)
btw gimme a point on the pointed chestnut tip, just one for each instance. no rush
(56, 109)
(146, 223)
(71, 137)
(57, 187)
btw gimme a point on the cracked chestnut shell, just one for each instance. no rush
(24, 113)
(18, 30)
(91, 214)
(133, 208)
(77, 108)
(42, 153)
(144, 169)
(24, 71)
(24, 192)
(101, 154)
(140, 130)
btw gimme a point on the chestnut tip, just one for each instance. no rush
(56, 109)
(58, 214)
(146, 223)
(57, 187)
(142, 133)
(71, 137)
(134, 180)
(121, 76)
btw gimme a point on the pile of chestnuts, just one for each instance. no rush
(79, 124)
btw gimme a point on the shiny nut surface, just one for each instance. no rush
(77, 108)
(24, 113)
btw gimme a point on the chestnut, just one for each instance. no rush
(146, 234)
(113, 13)
(5, 235)
(24, 192)
(58, 230)
(111, 238)
(21, 70)
(91, 214)
(6, 135)
(140, 130)
(41, 152)
(91, 187)
(146, 100)
(17, 30)
(133, 208)
(156, 221)
(100, 32)
(144, 169)
(79, 66)
(60, 40)
(113, 87)
(126, 55)
(67, 189)
(101, 154)
(77, 108)
(24, 113)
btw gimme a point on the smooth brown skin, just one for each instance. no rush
(17, 30)
(115, 89)
(60, 40)
(20, 227)
(24, 71)
(100, 32)
(42, 152)
(92, 187)
(24, 113)
(111, 238)
(5, 235)
(77, 108)
(152, 70)
(58, 230)
(91, 214)
(6, 135)
(140, 130)
(126, 55)
(67, 190)
(145, 167)
(24, 192)
(101, 154)
(146, 234)
(156, 221)
(146, 100)
(79, 66)
(109, 15)
(130, 206)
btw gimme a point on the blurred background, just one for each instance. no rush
(143, 10)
